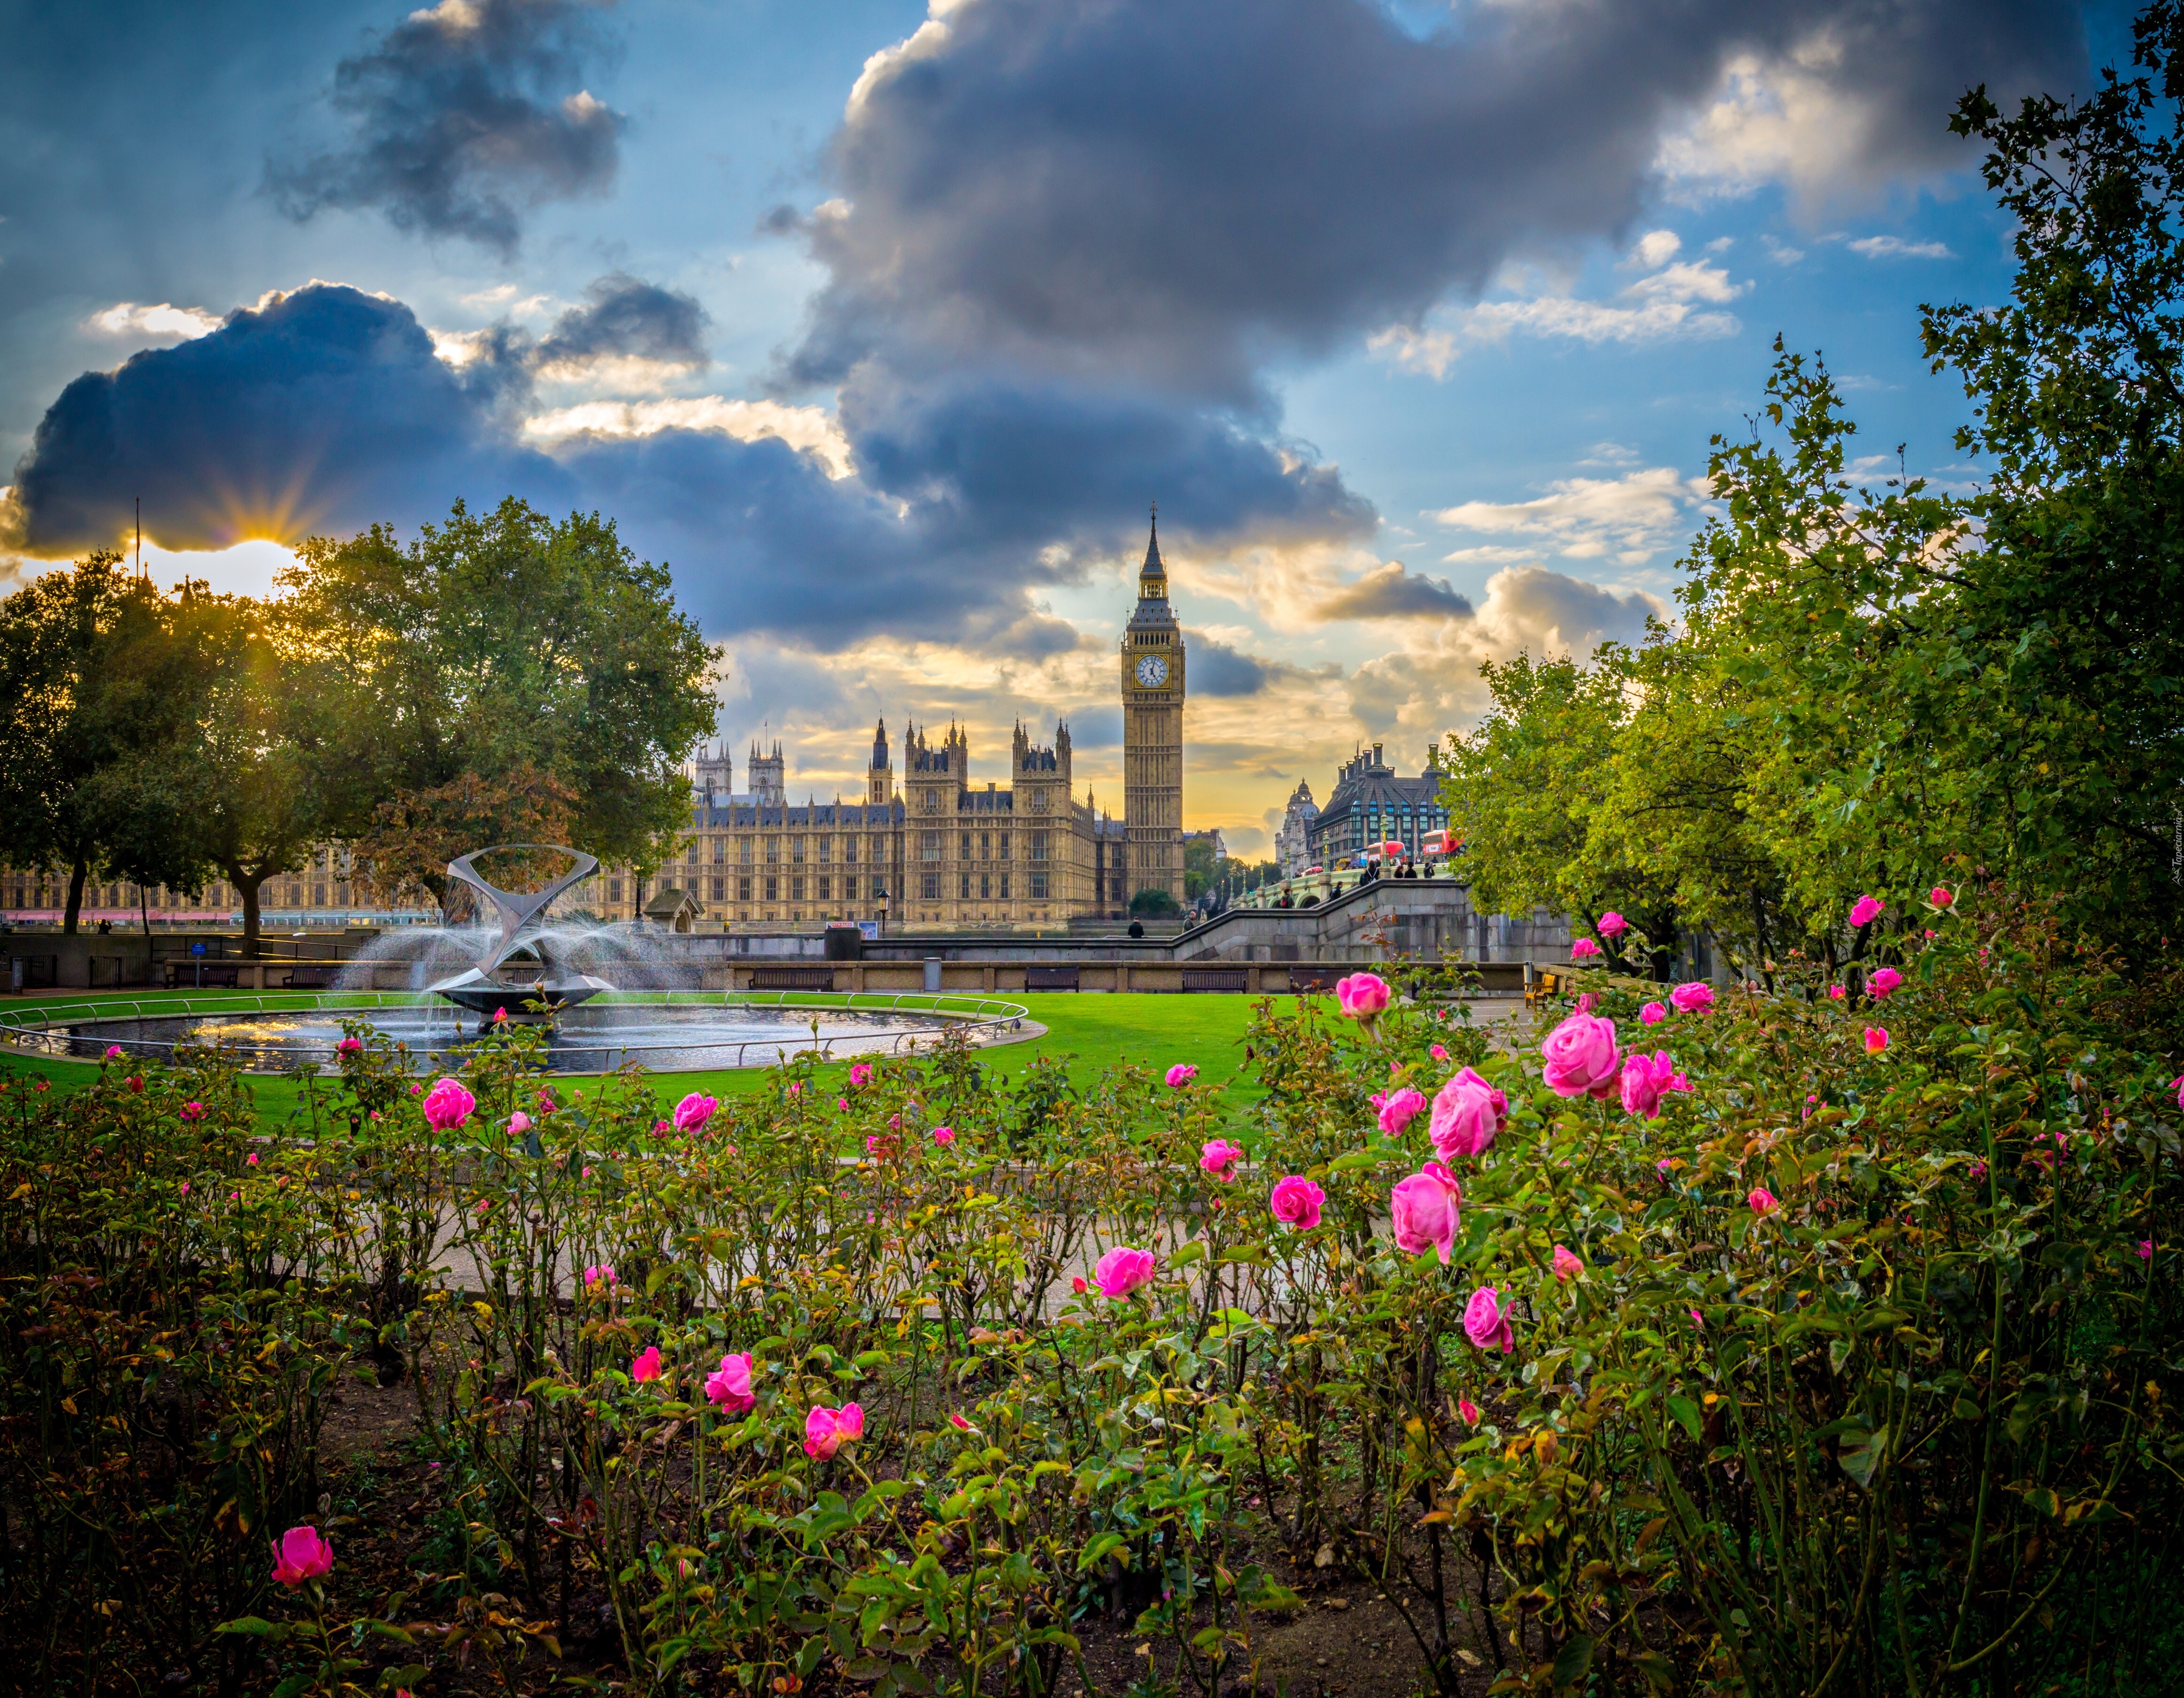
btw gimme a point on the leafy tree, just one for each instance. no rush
(1153, 902)
(404, 854)
(93, 684)
(505, 644)
(2077, 386)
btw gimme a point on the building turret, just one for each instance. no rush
(879, 778)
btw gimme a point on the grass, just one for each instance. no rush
(1096, 1032)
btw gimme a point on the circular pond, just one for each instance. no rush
(681, 1033)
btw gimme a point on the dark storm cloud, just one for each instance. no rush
(1390, 592)
(626, 316)
(992, 460)
(1217, 669)
(461, 116)
(761, 539)
(1175, 195)
(317, 411)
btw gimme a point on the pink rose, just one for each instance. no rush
(1941, 897)
(1486, 1323)
(1876, 1039)
(1837, 992)
(1651, 1015)
(1361, 995)
(645, 1366)
(251, 1160)
(301, 1555)
(348, 1046)
(692, 1112)
(1121, 1271)
(600, 1273)
(827, 1430)
(1883, 980)
(1611, 925)
(861, 1073)
(193, 1111)
(959, 1423)
(1693, 998)
(1181, 1075)
(499, 1016)
(1400, 1110)
(448, 1105)
(1581, 1056)
(1583, 949)
(1218, 1157)
(1426, 1211)
(1566, 1264)
(729, 1385)
(1468, 1410)
(2178, 1081)
(1866, 910)
(944, 1135)
(114, 1054)
(1761, 1201)
(519, 1123)
(1644, 1082)
(1467, 1114)
(1296, 1201)
(1439, 1052)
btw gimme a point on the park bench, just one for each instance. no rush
(792, 978)
(1037, 978)
(1217, 978)
(183, 973)
(312, 978)
(1308, 981)
(1545, 985)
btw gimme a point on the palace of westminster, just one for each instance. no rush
(930, 850)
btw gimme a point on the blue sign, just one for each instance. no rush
(196, 949)
(870, 929)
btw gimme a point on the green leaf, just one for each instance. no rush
(1356, 1161)
(256, 1626)
(1860, 1455)
(1686, 1414)
(1574, 1662)
(1192, 1252)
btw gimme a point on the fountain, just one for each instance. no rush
(484, 990)
(604, 995)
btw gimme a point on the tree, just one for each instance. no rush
(503, 644)
(96, 692)
(1153, 902)
(405, 853)
(2078, 390)
(280, 761)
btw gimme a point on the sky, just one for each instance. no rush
(883, 325)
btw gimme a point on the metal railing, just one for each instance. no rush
(43, 1029)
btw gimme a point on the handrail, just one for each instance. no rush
(978, 1014)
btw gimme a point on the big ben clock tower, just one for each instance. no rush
(1152, 733)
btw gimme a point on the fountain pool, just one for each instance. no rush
(683, 1031)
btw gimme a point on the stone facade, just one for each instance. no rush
(1152, 734)
(1293, 841)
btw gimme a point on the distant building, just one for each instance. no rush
(1212, 840)
(1293, 841)
(1372, 805)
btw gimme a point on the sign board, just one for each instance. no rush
(870, 929)
(196, 949)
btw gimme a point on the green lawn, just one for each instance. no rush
(1097, 1032)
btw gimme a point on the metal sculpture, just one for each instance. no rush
(484, 988)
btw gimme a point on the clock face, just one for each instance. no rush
(1152, 671)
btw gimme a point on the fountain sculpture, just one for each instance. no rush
(490, 985)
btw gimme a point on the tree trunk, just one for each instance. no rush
(247, 887)
(77, 875)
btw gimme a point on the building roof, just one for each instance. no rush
(1367, 781)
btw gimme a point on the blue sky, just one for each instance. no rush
(883, 324)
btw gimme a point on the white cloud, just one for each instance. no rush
(1895, 248)
(811, 430)
(1780, 251)
(130, 319)
(1677, 300)
(1631, 518)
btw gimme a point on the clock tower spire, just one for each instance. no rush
(1152, 732)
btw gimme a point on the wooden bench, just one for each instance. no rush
(312, 978)
(1216, 977)
(1306, 981)
(1546, 985)
(218, 975)
(792, 978)
(1037, 978)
